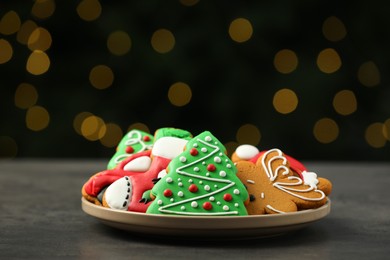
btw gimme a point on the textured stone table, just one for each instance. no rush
(41, 218)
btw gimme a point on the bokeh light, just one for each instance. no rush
(326, 130)
(78, 121)
(374, 135)
(240, 30)
(101, 77)
(25, 31)
(328, 61)
(93, 128)
(285, 61)
(25, 96)
(38, 63)
(248, 134)
(43, 9)
(119, 43)
(8, 147)
(139, 126)
(163, 41)
(334, 29)
(344, 102)
(37, 118)
(368, 74)
(285, 101)
(179, 94)
(89, 10)
(386, 129)
(40, 39)
(6, 51)
(112, 136)
(10, 23)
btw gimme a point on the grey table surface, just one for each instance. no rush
(41, 218)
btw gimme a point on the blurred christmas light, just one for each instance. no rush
(119, 43)
(179, 94)
(374, 135)
(26, 96)
(89, 10)
(344, 102)
(38, 63)
(139, 126)
(328, 61)
(285, 61)
(326, 130)
(39, 39)
(10, 23)
(368, 74)
(37, 118)
(334, 29)
(25, 31)
(6, 51)
(93, 128)
(112, 136)
(8, 147)
(43, 9)
(79, 119)
(240, 30)
(285, 101)
(386, 129)
(248, 134)
(101, 77)
(163, 41)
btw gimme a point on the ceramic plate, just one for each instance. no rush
(195, 227)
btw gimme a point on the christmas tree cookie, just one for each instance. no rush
(133, 142)
(201, 181)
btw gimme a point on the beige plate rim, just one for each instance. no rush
(216, 227)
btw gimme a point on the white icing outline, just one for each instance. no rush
(132, 141)
(276, 210)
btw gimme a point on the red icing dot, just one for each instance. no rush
(193, 151)
(193, 188)
(207, 205)
(167, 193)
(146, 138)
(211, 167)
(227, 197)
(129, 149)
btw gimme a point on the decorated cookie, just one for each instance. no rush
(200, 181)
(133, 142)
(275, 188)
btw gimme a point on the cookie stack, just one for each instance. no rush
(172, 172)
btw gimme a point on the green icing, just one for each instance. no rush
(173, 193)
(174, 132)
(137, 139)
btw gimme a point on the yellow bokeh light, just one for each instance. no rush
(25, 96)
(93, 128)
(113, 135)
(139, 126)
(8, 147)
(374, 135)
(240, 30)
(10, 23)
(368, 74)
(344, 102)
(189, 2)
(285, 61)
(162, 41)
(119, 43)
(39, 39)
(326, 130)
(179, 94)
(248, 134)
(328, 61)
(101, 77)
(333, 29)
(285, 101)
(6, 51)
(89, 10)
(25, 31)
(37, 118)
(386, 129)
(38, 63)
(43, 9)
(78, 120)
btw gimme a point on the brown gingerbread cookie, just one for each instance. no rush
(275, 188)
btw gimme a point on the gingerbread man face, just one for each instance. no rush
(275, 188)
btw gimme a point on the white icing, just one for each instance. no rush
(168, 147)
(225, 208)
(200, 182)
(211, 198)
(183, 159)
(162, 173)
(195, 145)
(207, 187)
(180, 194)
(180, 184)
(207, 138)
(140, 164)
(182, 208)
(159, 202)
(117, 195)
(273, 209)
(204, 150)
(250, 181)
(196, 169)
(310, 178)
(236, 205)
(236, 191)
(169, 180)
(262, 195)
(222, 173)
(246, 151)
(217, 159)
(228, 165)
(135, 137)
(194, 204)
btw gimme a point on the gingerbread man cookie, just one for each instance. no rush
(275, 188)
